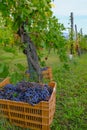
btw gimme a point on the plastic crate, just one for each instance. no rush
(47, 74)
(37, 117)
(5, 81)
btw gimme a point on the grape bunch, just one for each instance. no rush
(30, 92)
(43, 69)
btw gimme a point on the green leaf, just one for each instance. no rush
(20, 67)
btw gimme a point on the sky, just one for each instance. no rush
(62, 11)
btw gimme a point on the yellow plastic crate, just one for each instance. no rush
(47, 74)
(37, 117)
(5, 81)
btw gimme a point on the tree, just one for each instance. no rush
(37, 27)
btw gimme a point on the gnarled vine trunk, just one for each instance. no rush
(32, 58)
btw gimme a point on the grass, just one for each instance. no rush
(12, 58)
(71, 103)
(71, 95)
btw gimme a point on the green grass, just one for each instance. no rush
(71, 94)
(71, 102)
(13, 59)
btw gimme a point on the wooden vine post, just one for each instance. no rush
(71, 34)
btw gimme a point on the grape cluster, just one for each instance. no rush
(43, 69)
(30, 92)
